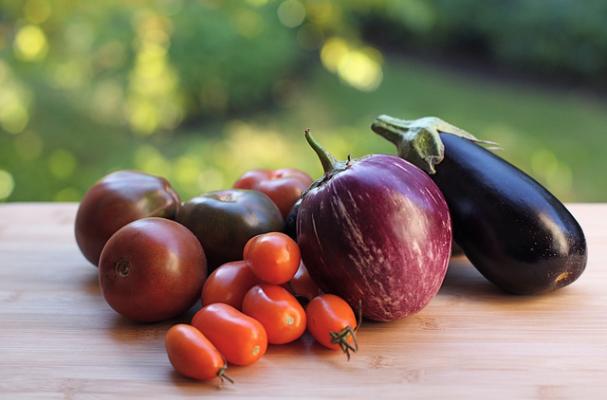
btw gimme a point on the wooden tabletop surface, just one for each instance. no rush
(59, 339)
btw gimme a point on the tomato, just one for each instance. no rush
(240, 338)
(152, 269)
(228, 284)
(193, 355)
(283, 318)
(117, 199)
(303, 285)
(224, 221)
(274, 257)
(284, 186)
(332, 323)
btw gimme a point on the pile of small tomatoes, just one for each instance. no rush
(154, 253)
(250, 303)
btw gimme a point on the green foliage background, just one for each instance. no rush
(201, 91)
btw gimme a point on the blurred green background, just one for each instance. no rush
(200, 91)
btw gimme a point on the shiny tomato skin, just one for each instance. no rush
(274, 257)
(192, 354)
(283, 318)
(225, 220)
(241, 339)
(329, 313)
(302, 284)
(251, 179)
(117, 199)
(228, 284)
(152, 269)
(284, 186)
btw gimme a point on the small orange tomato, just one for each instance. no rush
(240, 338)
(332, 323)
(303, 285)
(228, 284)
(283, 318)
(193, 355)
(273, 257)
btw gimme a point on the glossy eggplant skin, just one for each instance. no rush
(515, 232)
(291, 221)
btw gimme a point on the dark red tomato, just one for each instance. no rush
(117, 199)
(274, 257)
(225, 220)
(228, 284)
(152, 269)
(193, 355)
(332, 323)
(284, 186)
(303, 285)
(283, 318)
(240, 338)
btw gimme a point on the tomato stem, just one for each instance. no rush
(221, 374)
(341, 338)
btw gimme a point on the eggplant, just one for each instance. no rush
(291, 221)
(513, 230)
(375, 231)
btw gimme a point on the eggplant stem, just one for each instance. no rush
(326, 159)
(418, 141)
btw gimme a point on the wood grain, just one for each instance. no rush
(59, 340)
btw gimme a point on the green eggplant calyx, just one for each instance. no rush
(418, 141)
(330, 164)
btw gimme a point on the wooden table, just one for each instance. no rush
(59, 339)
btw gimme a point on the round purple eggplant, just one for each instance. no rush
(375, 231)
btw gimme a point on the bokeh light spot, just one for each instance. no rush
(154, 100)
(62, 163)
(68, 194)
(360, 70)
(248, 23)
(332, 52)
(14, 117)
(291, 13)
(149, 159)
(7, 184)
(31, 43)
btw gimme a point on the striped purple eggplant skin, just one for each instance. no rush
(377, 232)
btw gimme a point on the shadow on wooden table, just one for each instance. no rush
(90, 282)
(465, 280)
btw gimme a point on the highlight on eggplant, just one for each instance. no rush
(512, 229)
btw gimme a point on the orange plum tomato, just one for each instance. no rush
(332, 323)
(193, 355)
(228, 284)
(283, 318)
(241, 339)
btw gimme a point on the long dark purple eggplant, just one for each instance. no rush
(513, 230)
